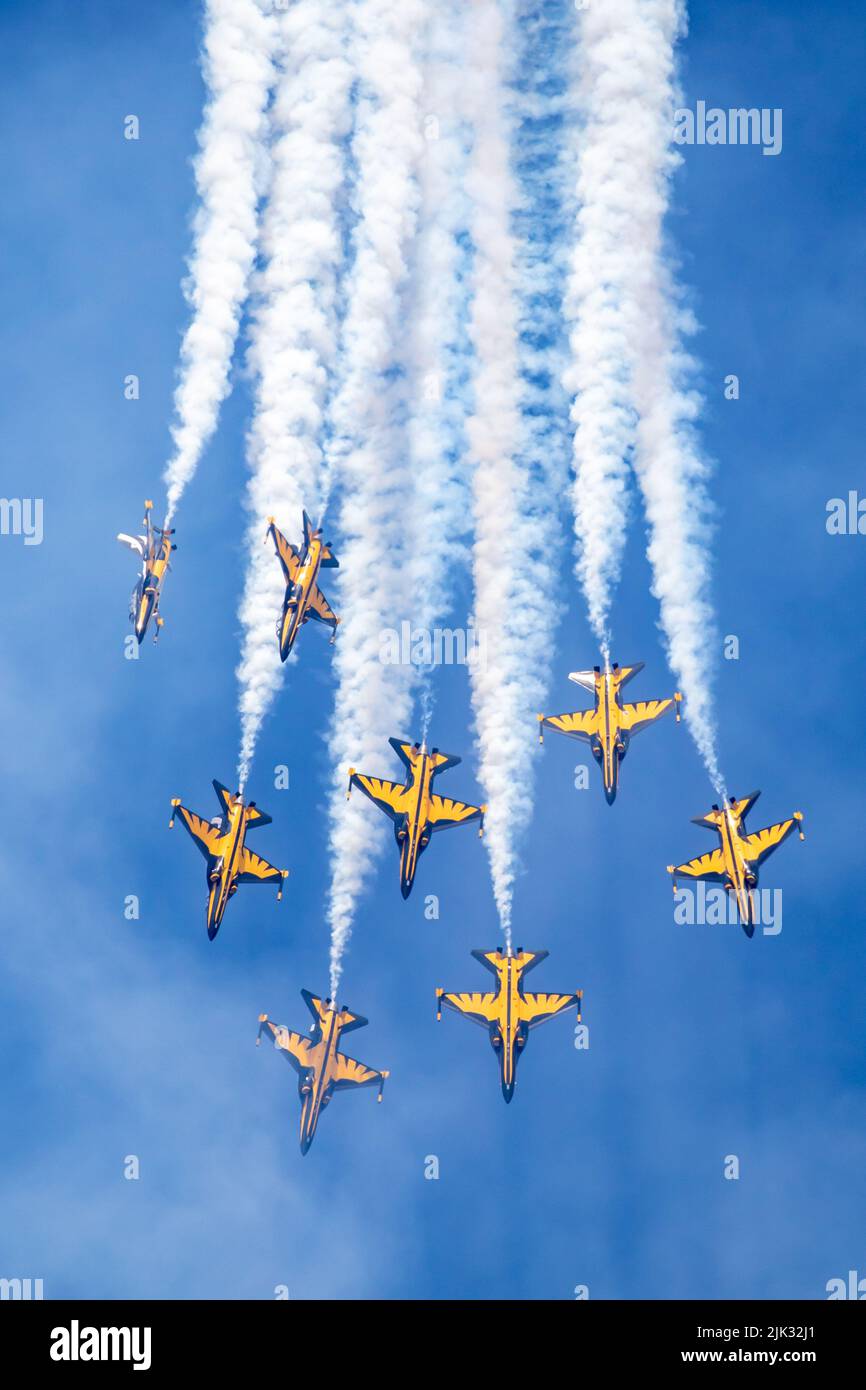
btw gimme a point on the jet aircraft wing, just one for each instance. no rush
(480, 1008)
(288, 555)
(761, 845)
(348, 1073)
(390, 797)
(581, 724)
(297, 1048)
(637, 716)
(445, 812)
(205, 835)
(538, 1008)
(255, 869)
(318, 607)
(710, 866)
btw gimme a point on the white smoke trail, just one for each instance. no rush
(512, 609)
(238, 70)
(295, 328)
(373, 698)
(440, 514)
(607, 268)
(634, 324)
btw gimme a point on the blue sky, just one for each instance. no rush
(137, 1037)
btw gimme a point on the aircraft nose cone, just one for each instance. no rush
(212, 929)
(508, 1091)
(305, 1144)
(610, 795)
(405, 887)
(748, 928)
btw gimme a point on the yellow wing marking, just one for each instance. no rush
(757, 847)
(318, 607)
(206, 836)
(637, 716)
(580, 724)
(254, 869)
(348, 1072)
(390, 797)
(297, 1048)
(288, 555)
(537, 1008)
(711, 865)
(480, 1008)
(444, 812)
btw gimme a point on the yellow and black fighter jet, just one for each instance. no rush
(414, 807)
(154, 548)
(509, 1014)
(608, 728)
(322, 1069)
(735, 862)
(304, 599)
(229, 862)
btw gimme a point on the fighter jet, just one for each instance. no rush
(322, 1069)
(509, 1014)
(414, 808)
(304, 599)
(154, 549)
(229, 862)
(735, 862)
(608, 728)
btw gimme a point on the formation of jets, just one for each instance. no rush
(154, 550)
(417, 811)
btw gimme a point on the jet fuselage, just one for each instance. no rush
(315, 1087)
(298, 595)
(413, 835)
(610, 745)
(158, 556)
(742, 877)
(508, 1033)
(223, 876)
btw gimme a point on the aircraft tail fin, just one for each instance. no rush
(406, 751)
(586, 679)
(224, 795)
(442, 761)
(350, 1021)
(740, 805)
(627, 673)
